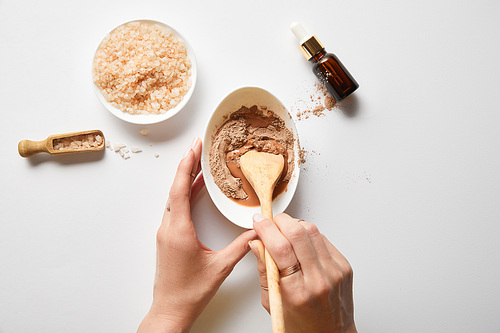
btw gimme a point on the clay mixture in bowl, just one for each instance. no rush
(247, 129)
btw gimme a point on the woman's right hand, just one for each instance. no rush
(318, 297)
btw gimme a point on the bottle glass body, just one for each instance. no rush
(333, 75)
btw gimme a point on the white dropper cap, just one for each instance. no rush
(300, 33)
(309, 44)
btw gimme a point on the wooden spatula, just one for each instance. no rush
(262, 170)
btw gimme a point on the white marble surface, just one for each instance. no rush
(407, 188)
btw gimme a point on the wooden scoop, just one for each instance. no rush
(54, 144)
(262, 170)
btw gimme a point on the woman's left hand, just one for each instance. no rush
(188, 274)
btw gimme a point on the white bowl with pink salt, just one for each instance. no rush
(144, 72)
(248, 117)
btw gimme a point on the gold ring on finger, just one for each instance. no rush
(290, 270)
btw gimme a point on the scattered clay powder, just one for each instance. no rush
(321, 101)
(329, 102)
(318, 111)
(244, 129)
(302, 156)
(141, 69)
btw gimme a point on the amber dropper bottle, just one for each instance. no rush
(326, 66)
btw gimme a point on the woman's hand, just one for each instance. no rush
(188, 274)
(318, 297)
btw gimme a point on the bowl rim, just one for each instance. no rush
(239, 214)
(148, 119)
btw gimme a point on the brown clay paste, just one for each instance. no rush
(247, 129)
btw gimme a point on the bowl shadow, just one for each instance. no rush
(169, 128)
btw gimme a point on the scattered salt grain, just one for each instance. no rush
(118, 146)
(124, 154)
(123, 150)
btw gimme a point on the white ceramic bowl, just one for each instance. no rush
(246, 96)
(152, 118)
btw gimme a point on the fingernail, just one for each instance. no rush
(195, 141)
(190, 147)
(258, 217)
(254, 250)
(187, 152)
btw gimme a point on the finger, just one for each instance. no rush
(229, 256)
(257, 248)
(277, 245)
(297, 235)
(196, 147)
(317, 241)
(198, 165)
(343, 263)
(198, 184)
(179, 198)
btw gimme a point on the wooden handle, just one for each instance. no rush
(275, 304)
(27, 148)
(262, 170)
(273, 279)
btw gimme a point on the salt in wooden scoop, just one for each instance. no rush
(59, 144)
(262, 170)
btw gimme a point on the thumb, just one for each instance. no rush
(229, 256)
(258, 249)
